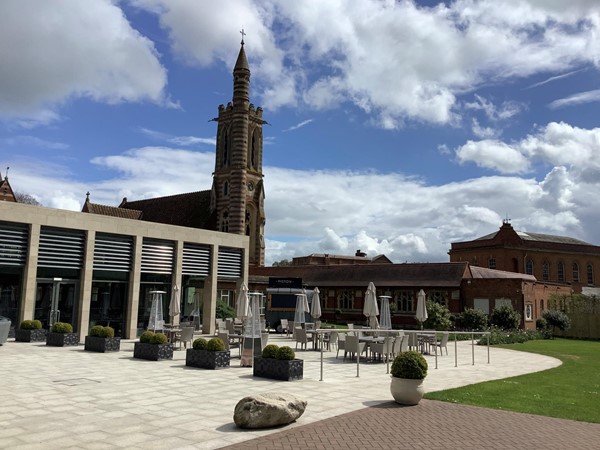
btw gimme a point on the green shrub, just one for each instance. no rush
(505, 317)
(31, 325)
(471, 319)
(541, 324)
(199, 344)
(438, 317)
(411, 365)
(557, 319)
(224, 310)
(270, 351)
(102, 332)
(62, 327)
(285, 353)
(499, 336)
(159, 338)
(146, 337)
(215, 345)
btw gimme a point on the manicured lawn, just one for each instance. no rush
(571, 391)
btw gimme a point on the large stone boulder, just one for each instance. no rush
(268, 410)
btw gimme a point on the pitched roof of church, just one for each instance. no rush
(6, 192)
(191, 209)
(113, 211)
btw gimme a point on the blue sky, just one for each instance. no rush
(395, 127)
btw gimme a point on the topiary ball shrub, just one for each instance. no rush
(97, 331)
(199, 344)
(31, 325)
(159, 338)
(109, 332)
(471, 319)
(411, 365)
(270, 351)
(62, 327)
(146, 337)
(215, 345)
(285, 353)
(557, 319)
(505, 317)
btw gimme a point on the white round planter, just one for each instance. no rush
(407, 392)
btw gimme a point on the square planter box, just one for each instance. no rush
(30, 335)
(102, 345)
(62, 339)
(206, 360)
(152, 352)
(277, 369)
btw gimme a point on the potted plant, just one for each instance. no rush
(278, 363)
(30, 331)
(153, 347)
(61, 334)
(409, 369)
(207, 354)
(102, 339)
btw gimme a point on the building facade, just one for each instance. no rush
(89, 269)
(551, 259)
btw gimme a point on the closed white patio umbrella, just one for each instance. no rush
(386, 316)
(370, 308)
(174, 304)
(315, 308)
(421, 313)
(242, 304)
(301, 308)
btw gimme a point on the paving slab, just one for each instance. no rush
(122, 402)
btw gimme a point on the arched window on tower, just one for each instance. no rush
(545, 271)
(529, 267)
(225, 222)
(575, 272)
(225, 149)
(590, 274)
(226, 188)
(247, 223)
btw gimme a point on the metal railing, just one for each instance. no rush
(322, 331)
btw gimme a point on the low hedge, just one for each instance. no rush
(31, 325)
(62, 327)
(102, 332)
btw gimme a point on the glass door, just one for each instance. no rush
(55, 302)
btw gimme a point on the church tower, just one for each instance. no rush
(238, 193)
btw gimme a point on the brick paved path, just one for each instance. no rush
(433, 425)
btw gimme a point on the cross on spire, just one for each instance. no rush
(243, 34)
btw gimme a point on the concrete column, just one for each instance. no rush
(85, 293)
(209, 309)
(27, 308)
(131, 318)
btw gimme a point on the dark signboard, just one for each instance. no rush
(283, 301)
(292, 283)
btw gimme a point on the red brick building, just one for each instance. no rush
(551, 259)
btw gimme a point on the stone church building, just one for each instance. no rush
(235, 203)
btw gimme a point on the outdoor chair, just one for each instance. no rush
(354, 347)
(341, 344)
(382, 348)
(224, 336)
(185, 335)
(330, 339)
(284, 326)
(290, 328)
(301, 338)
(443, 343)
(230, 326)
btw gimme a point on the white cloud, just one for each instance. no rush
(493, 154)
(64, 49)
(394, 59)
(554, 78)
(25, 140)
(299, 125)
(483, 132)
(577, 99)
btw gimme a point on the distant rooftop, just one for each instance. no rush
(539, 238)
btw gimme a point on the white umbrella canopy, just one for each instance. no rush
(301, 308)
(386, 316)
(242, 304)
(315, 308)
(174, 304)
(370, 308)
(421, 313)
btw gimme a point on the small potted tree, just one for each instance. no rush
(153, 347)
(61, 334)
(30, 331)
(409, 369)
(278, 363)
(102, 339)
(207, 354)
